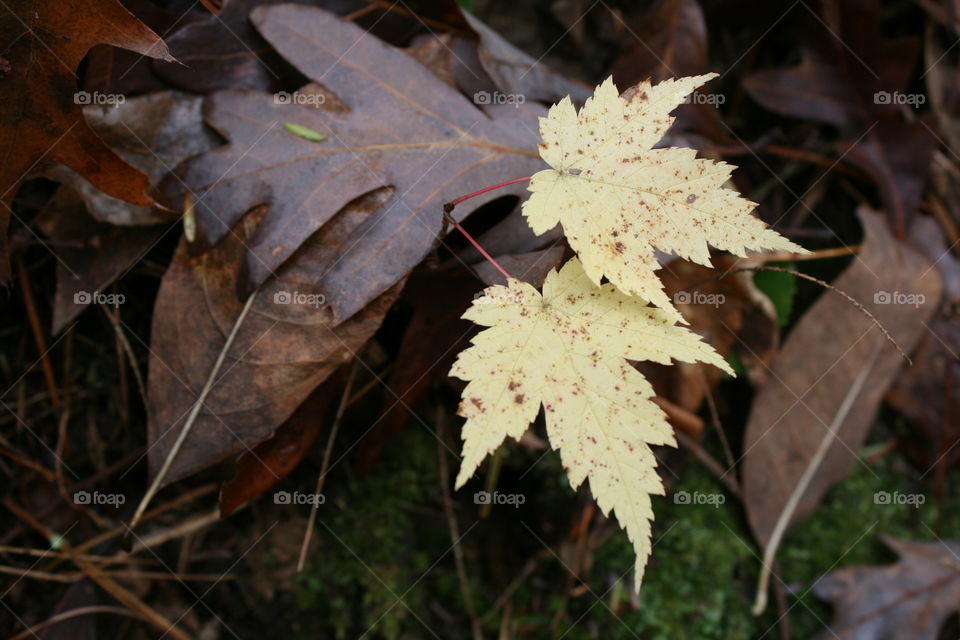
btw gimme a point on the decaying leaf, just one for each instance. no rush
(91, 254)
(909, 600)
(288, 344)
(429, 145)
(618, 198)
(272, 460)
(41, 116)
(568, 349)
(154, 133)
(813, 371)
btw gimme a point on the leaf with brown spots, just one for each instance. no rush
(568, 349)
(618, 198)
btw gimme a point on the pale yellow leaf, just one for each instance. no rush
(568, 349)
(618, 198)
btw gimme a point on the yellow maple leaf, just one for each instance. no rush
(568, 349)
(617, 197)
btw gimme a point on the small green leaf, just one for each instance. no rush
(780, 288)
(304, 132)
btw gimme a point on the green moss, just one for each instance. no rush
(701, 579)
(846, 530)
(693, 586)
(372, 547)
(700, 582)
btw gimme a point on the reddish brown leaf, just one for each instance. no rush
(812, 375)
(430, 146)
(428, 349)
(271, 461)
(154, 133)
(909, 600)
(670, 42)
(42, 120)
(859, 74)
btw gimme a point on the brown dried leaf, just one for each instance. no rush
(288, 344)
(814, 369)
(429, 146)
(271, 461)
(909, 600)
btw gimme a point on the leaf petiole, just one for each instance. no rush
(448, 207)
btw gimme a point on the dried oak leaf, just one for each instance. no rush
(288, 344)
(909, 600)
(618, 198)
(568, 349)
(42, 119)
(429, 144)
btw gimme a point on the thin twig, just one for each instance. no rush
(111, 586)
(717, 425)
(75, 613)
(37, 330)
(127, 349)
(452, 524)
(709, 462)
(191, 420)
(325, 465)
(846, 295)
